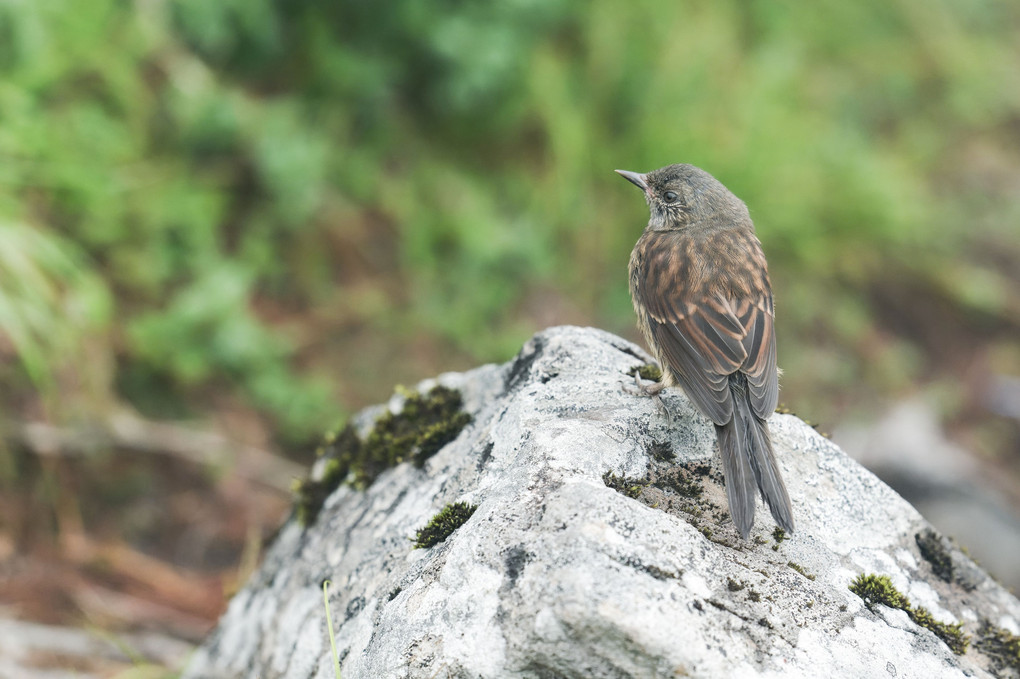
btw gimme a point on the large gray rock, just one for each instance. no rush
(559, 575)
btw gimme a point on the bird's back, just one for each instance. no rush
(673, 272)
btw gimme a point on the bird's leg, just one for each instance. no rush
(654, 390)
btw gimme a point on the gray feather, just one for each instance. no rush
(739, 475)
(746, 446)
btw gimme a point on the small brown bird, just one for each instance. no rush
(701, 291)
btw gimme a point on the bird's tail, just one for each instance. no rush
(748, 460)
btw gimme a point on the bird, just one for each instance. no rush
(700, 286)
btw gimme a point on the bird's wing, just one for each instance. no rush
(706, 332)
(760, 364)
(702, 347)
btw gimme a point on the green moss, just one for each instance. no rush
(622, 484)
(648, 371)
(662, 452)
(778, 535)
(753, 596)
(659, 573)
(442, 525)
(424, 425)
(953, 634)
(680, 482)
(1001, 646)
(934, 551)
(878, 589)
(342, 450)
(734, 586)
(800, 569)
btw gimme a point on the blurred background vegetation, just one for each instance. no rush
(257, 215)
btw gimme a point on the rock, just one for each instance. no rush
(954, 489)
(601, 547)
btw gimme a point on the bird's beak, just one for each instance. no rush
(634, 178)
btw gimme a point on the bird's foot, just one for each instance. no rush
(653, 390)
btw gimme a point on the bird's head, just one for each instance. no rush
(683, 195)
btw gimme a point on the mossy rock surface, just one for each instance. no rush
(600, 547)
(442, 525)
(425, 424)
(878, 589)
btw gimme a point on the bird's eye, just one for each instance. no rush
(669, 197)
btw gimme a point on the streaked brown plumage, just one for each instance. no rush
(700, 287)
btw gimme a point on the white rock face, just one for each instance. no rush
(558, 575)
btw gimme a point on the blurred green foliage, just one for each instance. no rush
(180, 179)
